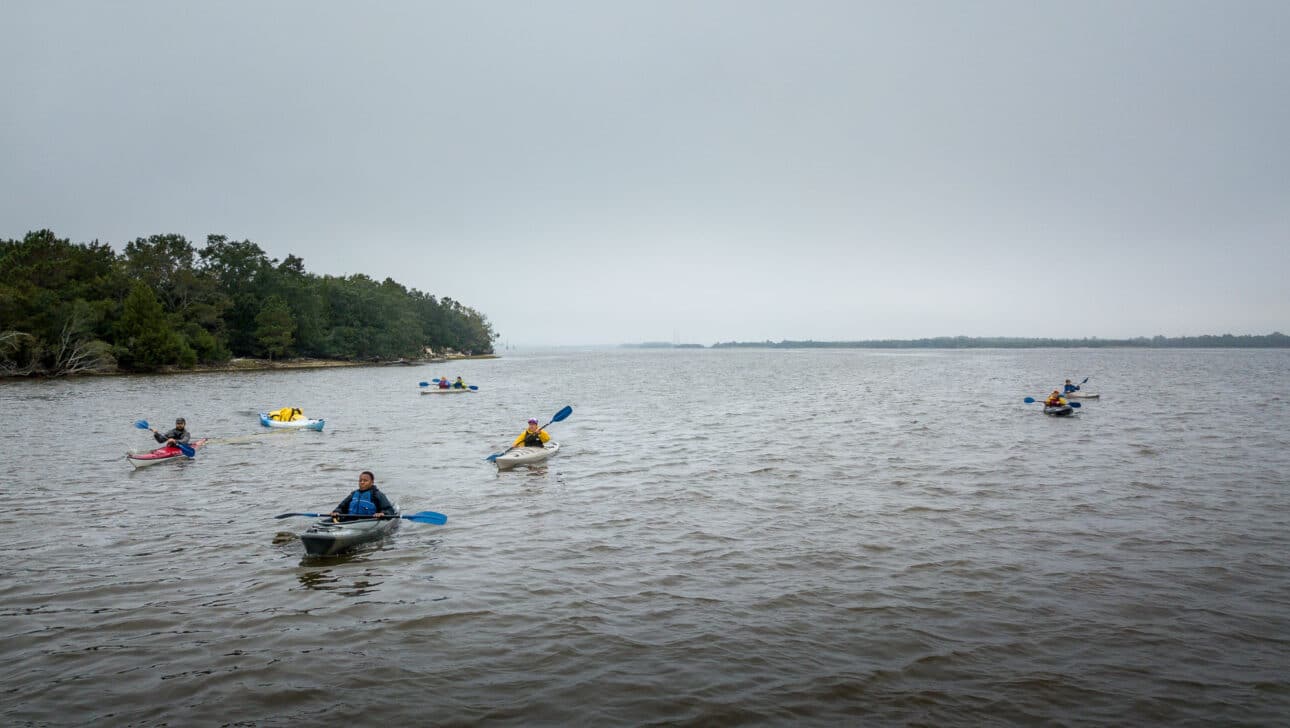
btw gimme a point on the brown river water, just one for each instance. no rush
(725, 538)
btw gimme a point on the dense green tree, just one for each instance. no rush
(274, 326)
(145, 341)
(68, 307)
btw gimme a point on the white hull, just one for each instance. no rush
(526, 456)
(291, 425)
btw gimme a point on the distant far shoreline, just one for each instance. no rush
(1275, 340)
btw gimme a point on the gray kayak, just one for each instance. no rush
(325, 538)
(1062, 411)
(526, 456)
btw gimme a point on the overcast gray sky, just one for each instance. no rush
(605, 172)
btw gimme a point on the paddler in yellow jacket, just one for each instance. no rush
(1055, 399)
(533, 436)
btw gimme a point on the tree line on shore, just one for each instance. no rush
(1226, 341)
(68, 308)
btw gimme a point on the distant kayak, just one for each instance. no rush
(526, 456)
(301, 424)
(325, 538)
(160, 455)
(435, 390)
(1064, 410)
(1081, 395)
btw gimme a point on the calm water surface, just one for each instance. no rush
(726, 537)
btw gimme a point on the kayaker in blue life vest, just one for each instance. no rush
(533, 436)
(443, 383)
(1071, 387)
(179, 434)
(458, 384)
(366, 501)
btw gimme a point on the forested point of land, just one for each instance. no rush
(1225, 341)
(69, 308)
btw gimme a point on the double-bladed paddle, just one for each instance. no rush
(561, 415)
(1032, 400)
(437, 519)
(185, 448)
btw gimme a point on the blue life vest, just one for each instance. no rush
(361, 503)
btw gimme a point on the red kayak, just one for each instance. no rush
(160, 455)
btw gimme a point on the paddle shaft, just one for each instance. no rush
(421, 517)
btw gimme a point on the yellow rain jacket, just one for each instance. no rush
(287, 414)
(519, 441)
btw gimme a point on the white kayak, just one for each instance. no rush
(526, 456)
(450, 390)
(1081, 395)
(291, 425)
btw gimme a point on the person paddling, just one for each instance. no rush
(443, 383)
(177, 435)
(532, 436)
(1055, 400)
(366, 501)
(458, 384)
(1071, 387)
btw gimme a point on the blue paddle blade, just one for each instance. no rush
(186, 449)
(431, 517)
(435, 380)
(142, 424)
(568, 410)
(1076, 405)
(423, 384)
(1029, 400)
(474, 388)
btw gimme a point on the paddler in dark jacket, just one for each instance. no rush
(179, 434)
(533, 436)
(366, 501)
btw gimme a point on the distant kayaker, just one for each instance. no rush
(533, 436)
(443, 383)
(366, 501)
(179, 434)
(1054, 400)
(1071, 387)
(458, 384)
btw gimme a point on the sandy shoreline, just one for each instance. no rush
(260, 365)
